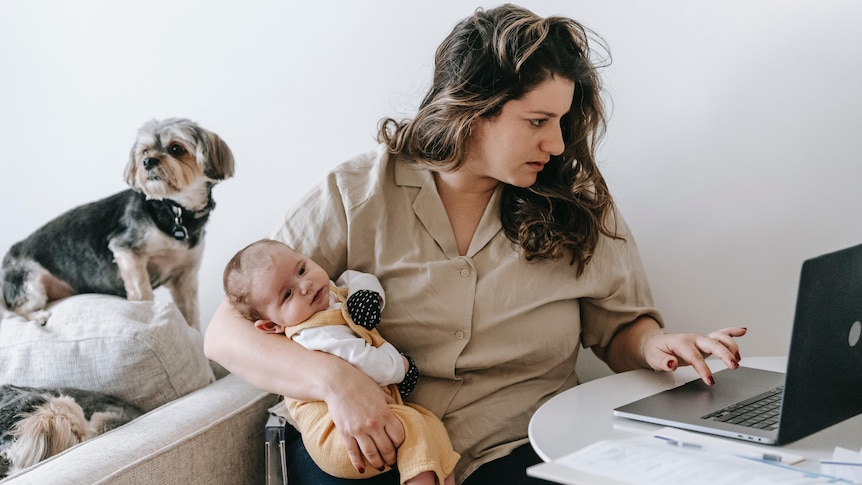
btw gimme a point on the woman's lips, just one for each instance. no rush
(538, 166)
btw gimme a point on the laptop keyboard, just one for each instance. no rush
(760, 412)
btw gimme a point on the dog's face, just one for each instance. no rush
(177, 159)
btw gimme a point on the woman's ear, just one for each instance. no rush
(268, 326)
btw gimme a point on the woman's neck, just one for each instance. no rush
(465, 199)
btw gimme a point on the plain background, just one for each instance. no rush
(733, 147)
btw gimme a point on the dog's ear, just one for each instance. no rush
(131, 167)
(220, 163)
(52, 427)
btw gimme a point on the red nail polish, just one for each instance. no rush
(361, 470)
(711, 381)
(738, 357)
(670, 364)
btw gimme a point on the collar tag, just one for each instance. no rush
(179, 231)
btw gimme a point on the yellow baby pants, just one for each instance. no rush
(426, 445)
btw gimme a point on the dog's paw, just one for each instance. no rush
(39, 316)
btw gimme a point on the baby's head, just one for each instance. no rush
(272, 285)
(243, 269)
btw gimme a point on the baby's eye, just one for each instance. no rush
(287, 294)
(302, 271)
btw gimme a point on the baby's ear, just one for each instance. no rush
(268, 326)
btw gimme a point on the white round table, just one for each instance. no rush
(584, 414)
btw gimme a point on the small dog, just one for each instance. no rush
(37, 423)
(134, 241)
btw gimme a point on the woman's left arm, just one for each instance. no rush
(643, 344)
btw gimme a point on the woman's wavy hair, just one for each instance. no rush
(491, 58)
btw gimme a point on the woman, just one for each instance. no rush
(498, 244)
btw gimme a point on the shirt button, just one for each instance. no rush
(465, 272)
(459, 335)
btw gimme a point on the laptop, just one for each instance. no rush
(822, 384)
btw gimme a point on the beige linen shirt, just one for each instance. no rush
(493, 335)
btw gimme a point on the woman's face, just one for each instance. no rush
(514, 146)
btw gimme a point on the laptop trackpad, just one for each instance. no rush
(685, 406)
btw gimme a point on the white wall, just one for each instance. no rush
(733, 146)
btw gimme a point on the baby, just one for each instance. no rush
(284, 292)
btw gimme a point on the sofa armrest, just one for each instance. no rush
(213, 435)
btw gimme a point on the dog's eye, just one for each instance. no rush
(177, 150)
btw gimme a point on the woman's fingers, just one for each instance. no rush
(370, 452)
(354, 453)
(670, 351)
(385, 449)
(376, 450)
(726, 337)
(692, 350)
(721, 344)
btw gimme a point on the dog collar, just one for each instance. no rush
(178, 222)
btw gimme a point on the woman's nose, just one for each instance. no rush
(553, 141)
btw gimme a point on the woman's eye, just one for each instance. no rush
(177, 150)
(538, 123)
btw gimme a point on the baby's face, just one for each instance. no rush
(291, 290)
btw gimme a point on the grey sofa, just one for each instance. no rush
(201, 425)
(214, 435)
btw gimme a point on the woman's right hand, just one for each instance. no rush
(358, 406)
(368, 428)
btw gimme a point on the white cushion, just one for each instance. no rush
(140, 351)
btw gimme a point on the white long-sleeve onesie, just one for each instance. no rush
(384, 364)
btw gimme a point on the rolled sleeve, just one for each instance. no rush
(620, 289)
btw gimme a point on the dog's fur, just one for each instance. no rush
(37, 423)
(134, 241)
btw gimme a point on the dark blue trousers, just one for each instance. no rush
(511, 469)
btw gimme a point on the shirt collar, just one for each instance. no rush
(427, 207)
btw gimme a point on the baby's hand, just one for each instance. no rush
(364, 308)
(406, 386)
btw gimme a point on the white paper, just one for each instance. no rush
(648, 461)
(845, 464)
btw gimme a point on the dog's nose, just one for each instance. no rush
(150, 162)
